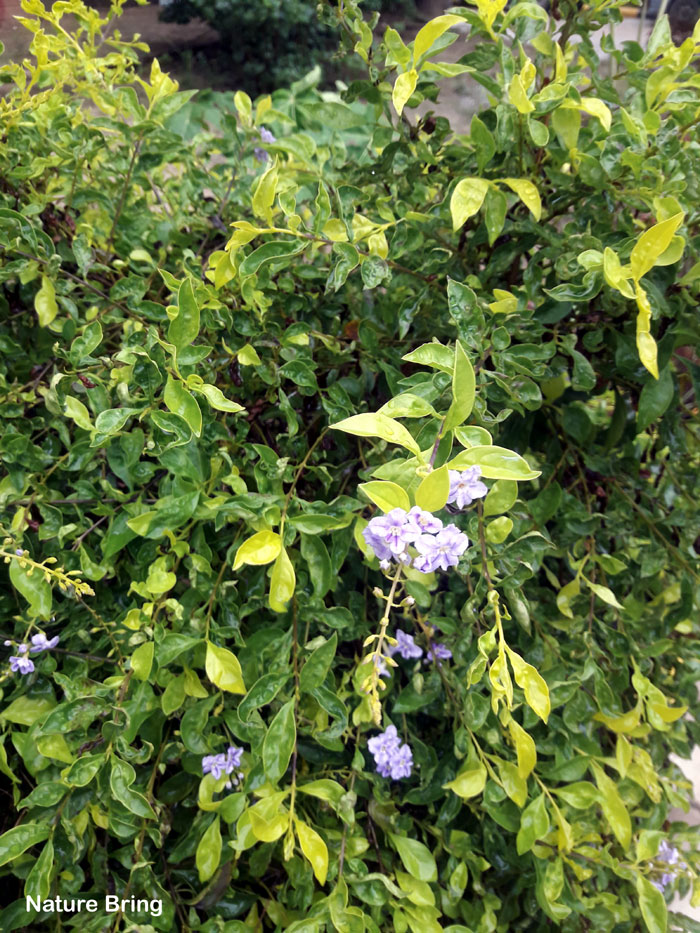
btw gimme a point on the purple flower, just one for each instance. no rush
(41, 643)
(406, 646)
(20, 662)
(466, 486)
(668, 853)
(388, 535)
(441, 551)
(382, 669)
(392, 758)
(427, 522)
(267, 137)
(224, 763)
(438, 652)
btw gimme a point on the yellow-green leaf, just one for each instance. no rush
(261, 548)
(208, 852)
(376, 425)
(223, 669)
(565, 596)
(525, 748)
(469, 783)
(248, 356)
(386, 495)
(652, 244)
(265, 191)
(78, 412)
(528, 194)
(282, 582)
(142, 660)
(45, 302)
(604, 593)
(217, 399)
(314, 848)
(466, 200)
(180, 402)
(613, 807)
(433, 491)
(596, 108)
(517, 95)
(404, 86)
(432, 31)
(463, 390)
(506, 302)
(532, 683)
(652, 905)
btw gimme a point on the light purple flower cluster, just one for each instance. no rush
(671, 856)
(224, 763)
(393, 758)
(267, 137)
(465, 487)
(20, 662)
(439, 547)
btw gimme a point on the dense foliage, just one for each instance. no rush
(224, 359)
(269, 43)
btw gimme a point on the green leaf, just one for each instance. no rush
(314, 848)
(495, 463)
(386, 495)
(580, 795)
(652, 244)
(323, 789)
(121, 777)
(404, 87)
(534, 825)
(217, 399)
(315, 553)
(45, 302)
(261, 548)
(263, 691)
(417, 858)
(652, 905)
(469, 783)
(142, 660)
(34, 588)
(376, 425)
(184, 328)
(282, 582)
(314, 671)
(466, 200)
(613, 807)
(208, 853)
(501, 497)
(113, 419)
(279, 743)
(83, 770)
(180, 402)
(269, 252)
(655, 398)
(26, 710)
(18, 839)
(463, 390)
(434, 490)
(223, 669)
(38, 883)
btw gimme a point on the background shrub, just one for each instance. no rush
(190, 314)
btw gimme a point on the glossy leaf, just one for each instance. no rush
(279, 743)
(223, 669)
